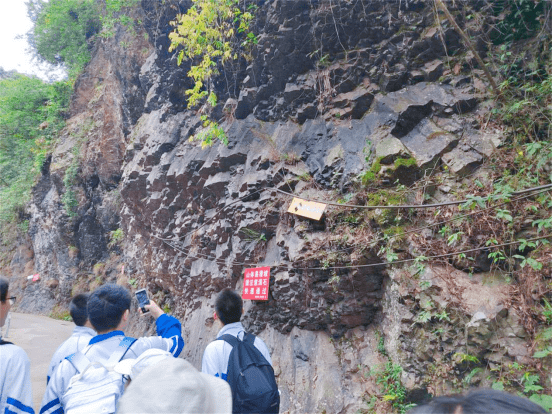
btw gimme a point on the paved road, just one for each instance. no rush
(39, 336)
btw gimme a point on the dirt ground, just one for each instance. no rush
(39, 336)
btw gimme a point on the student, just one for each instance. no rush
(184, 389)
(108, 312)
(15, 368)
(482, 401)
(82, 333)
(218, 359)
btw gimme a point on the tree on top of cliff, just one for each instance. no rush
(63, 30)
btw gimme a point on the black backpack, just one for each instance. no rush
(251, 378)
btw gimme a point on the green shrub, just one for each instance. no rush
(31, 115)
(212, 33)
(115, 237)
(63, 31)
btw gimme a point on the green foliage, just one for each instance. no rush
(547, 311)
(367, 178)
(211, 131)
(498, 386)
(116, 13)
(31, 115)
(115, 237)
(211, 34)
(376, 166)
(543, 400)
(69, 198)
(60, 314)
(519, 19)
(530, 382)
(405, 162)
(64, 29)
(253, 235)
(463, 357)
(388, 378)
(133, 282)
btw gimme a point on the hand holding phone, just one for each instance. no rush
(143, 300)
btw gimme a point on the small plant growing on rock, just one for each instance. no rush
(98, 269)
(253, 235)
(115, 237)
(60, 314)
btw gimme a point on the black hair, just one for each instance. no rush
(229, 306)
(106, 306)
(4, 285)
(77, 309)
(481, 401)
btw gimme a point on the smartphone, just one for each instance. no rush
(142, 297)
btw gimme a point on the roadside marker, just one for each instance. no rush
(311, 210)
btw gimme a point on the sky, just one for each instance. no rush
(13, 52)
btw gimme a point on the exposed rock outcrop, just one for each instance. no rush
(320, 103)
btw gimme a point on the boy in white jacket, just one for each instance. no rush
(16, 394)
(82, 333)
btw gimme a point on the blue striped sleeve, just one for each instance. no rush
(15, 403)
(51, 405)
(167, 327)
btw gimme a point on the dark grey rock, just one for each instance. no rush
(462, 161)
(389, 149)
(427, 142)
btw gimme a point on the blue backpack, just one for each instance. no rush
(251, 378)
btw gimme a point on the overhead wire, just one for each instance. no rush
(453, 202)
(185, 251)
(429, 257)
(454, 219)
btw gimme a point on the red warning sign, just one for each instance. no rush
(255, 283)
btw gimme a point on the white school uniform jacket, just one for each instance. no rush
(217, 353)
(16, 395)
(101, 347)
(76, 343)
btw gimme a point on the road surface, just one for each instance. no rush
(39, 336)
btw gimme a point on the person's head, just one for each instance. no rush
(5, 302)
(78, 309)
(108, 308)
(184, 390)
(228, 307)
(481, 401)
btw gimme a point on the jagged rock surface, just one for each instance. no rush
(194, 218)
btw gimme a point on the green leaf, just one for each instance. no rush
(498, 386)
(542, 353)
(543, 400)
(546, 334)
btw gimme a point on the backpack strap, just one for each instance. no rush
(79, 361)
(4, 342)
(120, 351)
(249, 338)
(231, 340)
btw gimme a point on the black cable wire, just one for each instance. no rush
(224, 262)
(453, 202)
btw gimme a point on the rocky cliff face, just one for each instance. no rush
(331, 88)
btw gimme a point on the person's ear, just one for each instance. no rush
(126, 314)
(215, 317)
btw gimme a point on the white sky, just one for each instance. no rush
(14, 22)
